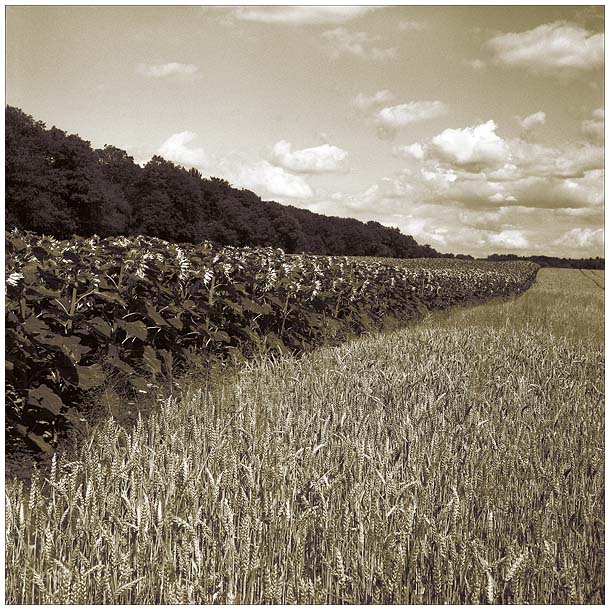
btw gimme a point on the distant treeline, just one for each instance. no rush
(554, 261)
(58, 185)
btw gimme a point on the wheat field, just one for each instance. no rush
(459, 460)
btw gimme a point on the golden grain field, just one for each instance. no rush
(460, 460)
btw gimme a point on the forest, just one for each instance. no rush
(553, 261)
(58, 185)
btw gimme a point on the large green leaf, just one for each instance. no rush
(34, 325)
(38, 291)
(101, 326)
(69, 345)
(151, 361)
(35, 438)
(255, 307)
(116, 361)
(133, 329)
(155, 316)
(111, 297)
(90, 377)
(176, 322)
(43, 397)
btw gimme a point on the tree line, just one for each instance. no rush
(553, 261)
(57, 184)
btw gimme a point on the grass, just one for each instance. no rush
(457, 461)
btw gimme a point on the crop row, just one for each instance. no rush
(81, 309)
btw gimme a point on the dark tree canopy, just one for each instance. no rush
(553, 261)
(58, 185)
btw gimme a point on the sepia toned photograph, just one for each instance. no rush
(304, 305)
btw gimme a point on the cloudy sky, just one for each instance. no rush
(474, 129)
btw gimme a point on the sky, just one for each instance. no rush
(477, 129)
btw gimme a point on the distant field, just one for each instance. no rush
(460, 460)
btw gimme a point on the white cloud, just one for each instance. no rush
(554, 193)
(176, 148)
(483, 219)
(511, 185)
(263, 176)
(301, 15)
(594, 128)
(319, 159)
(553, 48)
(511, 238)
(240, 170)
(341, 41)
(450, 225)
(532, 120)
(569, 161)
(475, 169)
(501, 197)
(477, 145)
(583, 237)
(440, 176)
(586, 213)
(392, 118)
(366, 102)
(415, 151)
(165, 70)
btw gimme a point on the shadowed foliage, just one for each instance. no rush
(58, 185)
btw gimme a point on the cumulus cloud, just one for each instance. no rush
(472, 146)
(568, 161)
(532, 120)
(511, 238)
(261, 176)
(392, 118)
(342, 41)
(489, 220)
(415, 151)
(500, 197)
(593, 128)
(475, 169)
(177, 149)
(301, 15)
(366, 102)
(268, 178)
(558, 48)
(452, 226)
(555, 193)
(389, 203)
(165, 70)
(317, 160)
(583, 237)
(478, 190)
